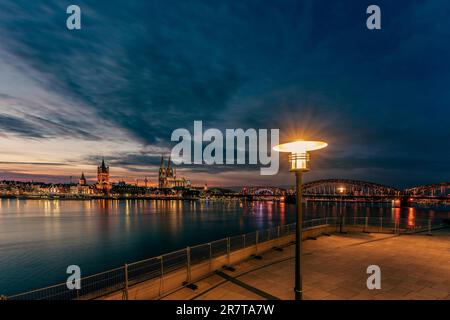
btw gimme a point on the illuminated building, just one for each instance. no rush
(168, 176)
(103, 183)
(82, 181)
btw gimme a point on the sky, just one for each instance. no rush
(137, 70)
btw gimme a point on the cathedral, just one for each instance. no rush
(168, 176)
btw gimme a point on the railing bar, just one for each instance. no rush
(214, 248)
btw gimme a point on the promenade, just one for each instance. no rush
(413, 266)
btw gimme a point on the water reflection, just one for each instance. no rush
(411, 217)
(396, 212)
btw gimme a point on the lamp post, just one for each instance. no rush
(299, 161)
(341, 214)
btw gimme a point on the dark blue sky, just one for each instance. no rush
(137, 70)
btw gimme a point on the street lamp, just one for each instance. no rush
(341, 214)
(299, 161)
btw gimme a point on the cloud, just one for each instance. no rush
(45, 178)
(144, 83)
(21, 127)
(138, 70)
(35, 163)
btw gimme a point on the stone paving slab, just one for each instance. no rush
(412, 267)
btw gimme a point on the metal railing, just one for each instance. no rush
(159, 268)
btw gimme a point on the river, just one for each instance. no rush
(40, 238)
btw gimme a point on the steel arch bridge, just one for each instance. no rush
(429, 190)
(262, 191)
(328, 187)
(333, 188)
(347, 187)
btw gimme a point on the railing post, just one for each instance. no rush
(125, 291)
(256, 241)
(210, 257)
(429, 227)
(188, 254)
(161, 282)
(381, 224)
(228, 249)
(244, 239)
(278, 236)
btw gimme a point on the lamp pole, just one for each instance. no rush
(299, 162)
(341, 213)
(298, 238)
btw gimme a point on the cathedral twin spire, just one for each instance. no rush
(168, 171)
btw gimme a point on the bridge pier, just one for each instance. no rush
(404, 202)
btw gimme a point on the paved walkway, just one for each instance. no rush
(412, 267)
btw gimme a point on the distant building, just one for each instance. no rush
(82, 187)
(168, 176)
(82, 181)
(103, 183)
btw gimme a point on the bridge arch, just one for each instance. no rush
(430, 190)
(263, 190)
(348, 187)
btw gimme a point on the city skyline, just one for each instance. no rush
(118, 87)
(91, 178)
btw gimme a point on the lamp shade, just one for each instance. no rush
(299, 157)
(300, 146)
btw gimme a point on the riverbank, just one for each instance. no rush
(334, 268)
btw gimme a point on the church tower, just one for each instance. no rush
(162, 173)
(169, 171)
(103, 177)
(82, 181)
(168, 176)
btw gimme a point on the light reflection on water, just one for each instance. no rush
(40, 238)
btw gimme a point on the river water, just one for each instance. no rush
(40, 238)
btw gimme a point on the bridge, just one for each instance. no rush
(430, 190)
(340, 187)
(262, 191)
(352, 190)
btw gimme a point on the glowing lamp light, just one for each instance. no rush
(299, 157)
